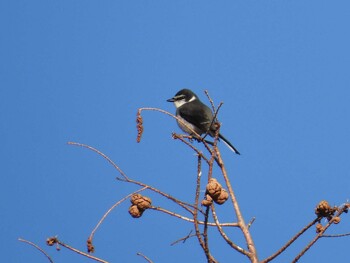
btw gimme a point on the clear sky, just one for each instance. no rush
(79, 70)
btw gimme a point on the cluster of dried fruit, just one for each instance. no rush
(139, 204)
(324, 210)
(214, 192)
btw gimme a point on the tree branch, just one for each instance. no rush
(202, 243)
(37, 247)
(223, 234)
(319, 235)
(290, 241)
(107, 213)
(146, 258)
(101, 154)
(249, 240)
(53, 240)
(191, 220)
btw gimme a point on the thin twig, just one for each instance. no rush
(101, 154)
(180, 137)
(210, 100)
(189, 219)
(195, 214)
(37, 247)
(213, 157)
(202, 243)
(127, 179)
(213, 120)
(320, 234)
(337, 235)
(171, 115)
(251, 222)
(290, 241)
(146, 258)
(53, 240)
(193, 132)
(110, 210)
(223, 234)
(205, 230)
(172, 213)
(177, 201)
(183, 239)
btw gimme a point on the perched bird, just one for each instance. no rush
(196, 115)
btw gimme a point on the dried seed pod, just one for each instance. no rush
(336, 220)
(135, 212)
(222, 198)
(323, 209)
(142, 202)
(319, 228)
(207, 201)
(208, 197)
(51, 241)
(145, 203)
(134, 198)
(90, 246)
(214, 188)
(139, 126)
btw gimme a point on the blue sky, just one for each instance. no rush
(79, 70)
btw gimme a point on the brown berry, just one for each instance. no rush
(222, 198)
(135, 212)
(319, 228)
(336, 220)
(214, 188)
(141, 201)
(323, 209)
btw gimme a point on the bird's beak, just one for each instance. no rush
(171, 100)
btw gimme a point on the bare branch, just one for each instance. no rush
(210, 100)
(146, 258)
(177, 201)
(53, 240)
(193, 132)
(191, 220)
(205, 230)
(213, 120)
(180, 137)
(341, 210)
(101, 154)
(251, 222)
(183, 239)
(171, 115)
(37, 247)
(110, 210)
(337, 235)
(127, 179)
(291, 241)
(195, 214)
(249, 240)
(223, 234)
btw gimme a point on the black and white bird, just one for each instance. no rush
(196, 115)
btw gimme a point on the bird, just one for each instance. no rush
(196, 115)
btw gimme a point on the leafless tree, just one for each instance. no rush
(198, 213)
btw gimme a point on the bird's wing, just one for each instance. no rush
(198, 115)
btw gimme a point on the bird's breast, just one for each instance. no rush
(187, 126)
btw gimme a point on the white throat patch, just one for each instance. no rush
(179, 103)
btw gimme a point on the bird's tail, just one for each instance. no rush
(229, 145)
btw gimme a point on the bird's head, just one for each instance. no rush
(182, 97)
